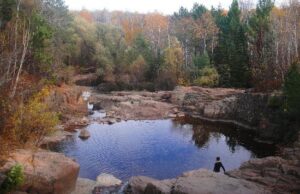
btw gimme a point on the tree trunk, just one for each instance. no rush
(16, 38)
(26, 37)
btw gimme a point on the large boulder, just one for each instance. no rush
(196, 182)
(45, 172)
(107, 183)
(107, 180)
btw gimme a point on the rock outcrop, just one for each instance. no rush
(45, 172)
(133, 105)
(52, 140)
(259, 112)
(280, 174)
(276, 173)
(195, 182)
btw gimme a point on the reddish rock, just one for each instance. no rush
(45, 172)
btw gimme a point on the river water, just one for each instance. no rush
(160, 149)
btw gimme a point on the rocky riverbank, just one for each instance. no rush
(253, 111)
(279, 174)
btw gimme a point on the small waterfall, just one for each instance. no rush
(90, 106)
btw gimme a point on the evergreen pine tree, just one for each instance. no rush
(231, 53)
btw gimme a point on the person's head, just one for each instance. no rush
(218, 159)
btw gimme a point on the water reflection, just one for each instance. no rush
(234, 137)
(159, 149)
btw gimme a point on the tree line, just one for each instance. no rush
(240, 47)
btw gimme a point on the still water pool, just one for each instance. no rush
(159, 149)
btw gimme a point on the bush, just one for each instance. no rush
(292, 91)
(275, 101)
(32, 121)
(202, 61)
(209, 77)
(166, 81)
(14, 179)
(224, 72)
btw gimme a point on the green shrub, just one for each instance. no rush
(14, 179)
(202, 61)
(275, 101)
(292, 91)
(209, 77)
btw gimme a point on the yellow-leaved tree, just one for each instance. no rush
(33, 120)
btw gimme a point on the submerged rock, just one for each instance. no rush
(45, 172)
(196, 182)
(84, 134)
(107, 180)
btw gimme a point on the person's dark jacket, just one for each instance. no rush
(218, 166)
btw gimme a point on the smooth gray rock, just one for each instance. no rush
(107, 180)
(84, 134)
(196, 182)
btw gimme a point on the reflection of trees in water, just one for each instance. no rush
(232, 143)
(203, 132)
(217, 136)
(201, 136)
(182, 128)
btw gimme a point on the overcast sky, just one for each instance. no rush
(144, 6)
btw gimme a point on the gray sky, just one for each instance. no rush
(144, 6)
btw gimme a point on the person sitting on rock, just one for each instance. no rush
(218, 165)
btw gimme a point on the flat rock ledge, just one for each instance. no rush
(105, 183)
(45, 172)
(195, 182)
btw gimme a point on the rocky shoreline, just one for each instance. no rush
(266, 175)
(279, 174)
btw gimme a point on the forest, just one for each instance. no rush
(43, 43)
